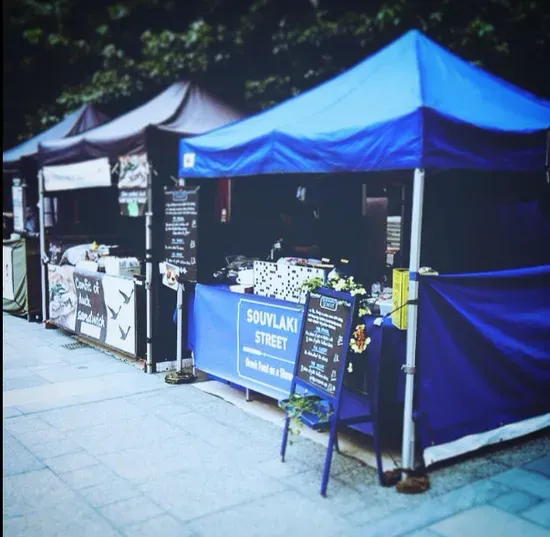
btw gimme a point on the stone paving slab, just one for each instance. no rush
(35, 490)
(539, 514)
(515, 501)
(199, 491)
(17, 459)
(141, 464)
(291, 516)
(486, 520)
(526, 481)
(108, 492)
(163, 526)
(90, 415)
(541, 466)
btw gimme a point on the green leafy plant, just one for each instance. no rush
(297, 405)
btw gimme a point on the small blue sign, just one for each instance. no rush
(267, 343)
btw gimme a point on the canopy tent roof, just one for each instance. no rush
(411, 105)
(183, 108)
(85, 118)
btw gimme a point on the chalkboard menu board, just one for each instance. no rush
(181, 223)
(324, 343)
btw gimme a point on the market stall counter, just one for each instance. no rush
(251, 341)
(97, 305)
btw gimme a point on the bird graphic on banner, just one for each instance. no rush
(125, 296)
(114, 314)
(123, 335)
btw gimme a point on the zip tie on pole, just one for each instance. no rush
(412, 302)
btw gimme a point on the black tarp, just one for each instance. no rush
(183, 108)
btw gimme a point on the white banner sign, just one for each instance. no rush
(132, 184)
(19, 206)
(8, 291)
(88, 174)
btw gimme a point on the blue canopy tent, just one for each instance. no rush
(413, 105)
(85, 118)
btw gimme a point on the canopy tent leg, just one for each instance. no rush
(407, 454)
(43, 257)
(149, 271)
(179, 345)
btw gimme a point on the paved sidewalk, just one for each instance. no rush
(95, 447)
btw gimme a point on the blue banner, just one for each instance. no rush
(267, 342)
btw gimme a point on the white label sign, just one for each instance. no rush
(18, 198)
(189, 160)
(8, 291)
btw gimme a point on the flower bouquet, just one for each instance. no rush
(358, 341)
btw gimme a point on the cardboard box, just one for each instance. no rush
(400, 281)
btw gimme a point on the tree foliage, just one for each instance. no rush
(119, 53)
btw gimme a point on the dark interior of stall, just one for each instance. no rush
(88, 215)
(475, 222)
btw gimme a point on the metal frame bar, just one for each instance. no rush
(407, 454)
(43, 257)
(149, 271)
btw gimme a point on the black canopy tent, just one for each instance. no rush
(20, 163)
(183, 109)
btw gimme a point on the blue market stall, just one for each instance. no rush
(416, 106)
(22, 255)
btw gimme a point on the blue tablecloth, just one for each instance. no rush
(221, 324)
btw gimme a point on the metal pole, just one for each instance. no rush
(149, 272)
(43, 258)
(179, 343)
(407, 455)
(179, 306)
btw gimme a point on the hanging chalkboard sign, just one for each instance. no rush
(324, 342)
(181, 229)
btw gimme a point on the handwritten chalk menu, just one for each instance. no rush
(324, 344)
(181, 227)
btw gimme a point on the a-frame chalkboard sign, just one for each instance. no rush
(322, 355)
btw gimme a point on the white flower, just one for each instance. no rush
(333, 275)
(340, 285)
(360, 291)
